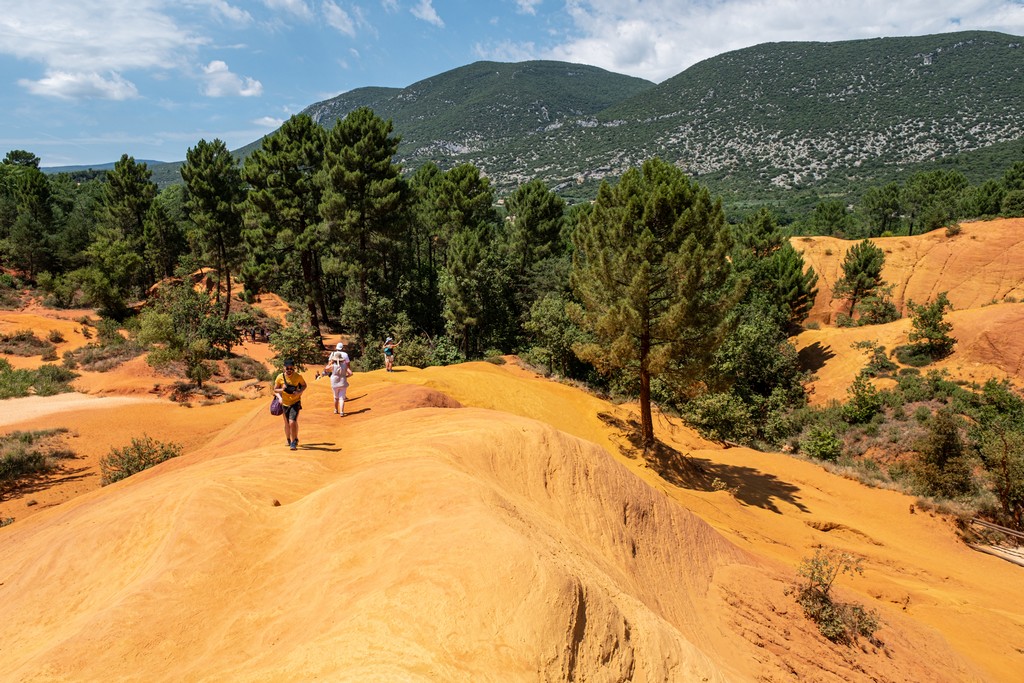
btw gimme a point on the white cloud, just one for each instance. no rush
(94, 35)
(220, 82)
(506, 51)
(233, 15)
(72, 86)
(527, 6)
(350, 23)
(424, 10)
(86, 46)
(390, 6)
(297, 8)
(339, 19)
(268, 122)
(657, 39)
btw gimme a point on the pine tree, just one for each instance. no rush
(214, 194)
(774, 268)
(862, 273)
(535, 219)
(117, 271)
(930, 329)
(284, 233)
(364, 205)
(465, 210)
(652, 271)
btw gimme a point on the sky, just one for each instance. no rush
(85, 81)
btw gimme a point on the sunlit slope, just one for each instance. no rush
(982, 265)
(981, 269)
(409, 543)
(431, 544)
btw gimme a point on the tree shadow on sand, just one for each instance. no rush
(40, 482)
(813, 358)
(747, 484)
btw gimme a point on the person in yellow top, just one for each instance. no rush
(289, 386)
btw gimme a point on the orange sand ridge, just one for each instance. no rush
(471, 523)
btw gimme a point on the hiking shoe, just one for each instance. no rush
(293, 445)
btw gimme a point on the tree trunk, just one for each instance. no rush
(321, 299)
(646, 422)
(307, 273)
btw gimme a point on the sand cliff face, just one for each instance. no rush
(982, 269)
(982, 265)
(474, 523)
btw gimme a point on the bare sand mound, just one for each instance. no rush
(989, 345)
(982, 269)
(981, 265)
(521, 537)
(424, 544)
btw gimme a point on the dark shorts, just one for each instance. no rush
(291, 413)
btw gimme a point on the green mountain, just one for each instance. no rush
(760, 123)
(774, 122)
(785, 116)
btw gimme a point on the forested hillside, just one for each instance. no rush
(785, 124)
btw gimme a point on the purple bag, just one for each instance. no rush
(276, 407)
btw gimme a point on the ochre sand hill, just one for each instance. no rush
(982, 265)
(462, 544)
(982, 269)
(478, 522)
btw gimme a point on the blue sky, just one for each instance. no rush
(85, 81)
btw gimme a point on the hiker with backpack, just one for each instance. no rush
(339, 370)
(289, 386)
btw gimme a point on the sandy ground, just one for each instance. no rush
(473, 523)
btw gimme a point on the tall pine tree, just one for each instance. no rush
(214, 195)
(652, 271)
(364, 204)
(284, 232)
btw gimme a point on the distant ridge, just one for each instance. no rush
(98, 167)
(763, 123)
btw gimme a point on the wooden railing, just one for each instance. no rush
(1000, 541)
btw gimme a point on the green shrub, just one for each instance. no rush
(839, 622)
(53, 379)
(24, 343)
(47, 380)
(55, 336)
(822, 443)
(844, 320)
(140, 455)
(244, 367)
(720, 417)
(23, 454)
(446, 352)
(912, 355)
(864, 403)
(944, 468)
(879, 364)
(99, 358)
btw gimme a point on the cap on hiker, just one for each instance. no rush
(289, 363)
(388, 339)
(340, 346)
